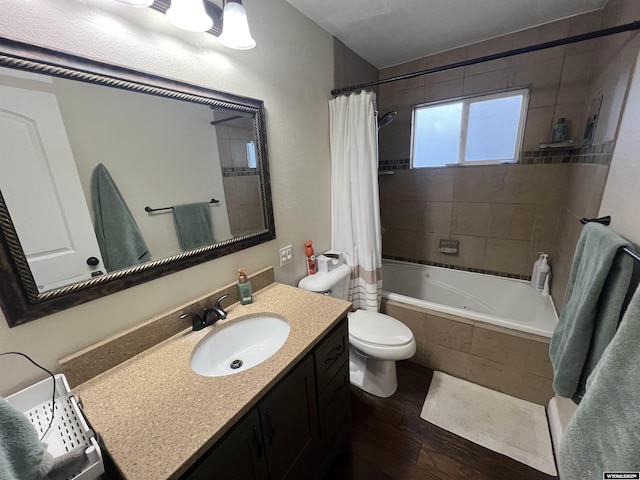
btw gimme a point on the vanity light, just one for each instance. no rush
(235, 27)
(137, 3)
(189, 15)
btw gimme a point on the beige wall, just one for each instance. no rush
(350, 68)
(290, 69)
(502, 215)
(621, 196)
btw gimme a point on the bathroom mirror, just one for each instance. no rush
(108, 176)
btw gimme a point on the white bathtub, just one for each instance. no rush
(496, 300)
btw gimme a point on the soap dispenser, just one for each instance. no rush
(535, 271)
(245, 293)
(544, 271)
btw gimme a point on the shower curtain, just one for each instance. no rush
(355, 210)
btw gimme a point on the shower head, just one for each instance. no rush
(386, 119)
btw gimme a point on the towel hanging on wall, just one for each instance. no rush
(120, 240)
(598, 283)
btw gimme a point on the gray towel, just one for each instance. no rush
(20, 448)
(119, 237)
(604, 432)
(193, 225)
(598, 283)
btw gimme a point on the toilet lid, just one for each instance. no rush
(378, 328)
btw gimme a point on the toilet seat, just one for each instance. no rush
(378, 329)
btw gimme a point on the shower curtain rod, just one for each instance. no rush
(533, 48)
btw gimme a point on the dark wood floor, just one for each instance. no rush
(389, 441)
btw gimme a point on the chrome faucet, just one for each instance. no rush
(209, 315)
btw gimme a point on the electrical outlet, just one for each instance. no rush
(286, 255)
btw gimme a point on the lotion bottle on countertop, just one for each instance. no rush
(245, 293)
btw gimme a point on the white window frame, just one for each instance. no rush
(464, 125)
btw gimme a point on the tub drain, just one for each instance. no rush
(236, 364)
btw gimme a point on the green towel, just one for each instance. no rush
(20, 448)
(604, 432)
(598, 282)
(193, 225)
(119, 237)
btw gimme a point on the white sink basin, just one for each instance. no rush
(237, 347)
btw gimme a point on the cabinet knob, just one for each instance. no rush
(92, 261)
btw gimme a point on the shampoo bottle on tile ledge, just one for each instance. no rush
(245, 294)
(534, 272)
(543, 273)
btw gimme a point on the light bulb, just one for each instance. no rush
(235, 28)
(189, 15)
(137, 3)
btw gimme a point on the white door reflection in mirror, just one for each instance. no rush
(42, 189)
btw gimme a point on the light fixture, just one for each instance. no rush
(235, 27)
(137, 3)
(189, 15)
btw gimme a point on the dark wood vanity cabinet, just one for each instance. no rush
(297, 429)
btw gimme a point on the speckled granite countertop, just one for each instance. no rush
(157, 416)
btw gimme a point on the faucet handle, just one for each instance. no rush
(218, 302)
(198, 323)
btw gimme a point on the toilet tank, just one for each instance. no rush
(334, 283)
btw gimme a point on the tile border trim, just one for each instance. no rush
(450, 266)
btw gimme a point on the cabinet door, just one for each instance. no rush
(239, 456)
(290, 426)
(333, 410)
(331, 355)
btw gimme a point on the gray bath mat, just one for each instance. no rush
(507, 425)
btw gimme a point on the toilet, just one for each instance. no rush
(376, 340)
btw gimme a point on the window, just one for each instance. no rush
(476, 130)
(251, 154)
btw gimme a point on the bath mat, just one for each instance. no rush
(507, 425)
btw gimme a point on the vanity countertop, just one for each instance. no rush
(157, 416)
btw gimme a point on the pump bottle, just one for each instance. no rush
(544, 270)
(245, 292)
(535, 270)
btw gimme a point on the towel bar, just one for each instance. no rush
(150, 210)
(606, 221)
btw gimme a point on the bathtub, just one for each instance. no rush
(504, 302)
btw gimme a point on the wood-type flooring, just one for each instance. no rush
(389, 441)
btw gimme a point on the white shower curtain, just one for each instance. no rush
(355, 212)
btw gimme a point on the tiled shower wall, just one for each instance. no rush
(503, 214)
(241, 183)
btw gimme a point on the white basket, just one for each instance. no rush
(69, 428)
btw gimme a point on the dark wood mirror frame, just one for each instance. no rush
(19, 297)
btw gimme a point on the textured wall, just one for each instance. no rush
(621, 194)
(291, 69)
